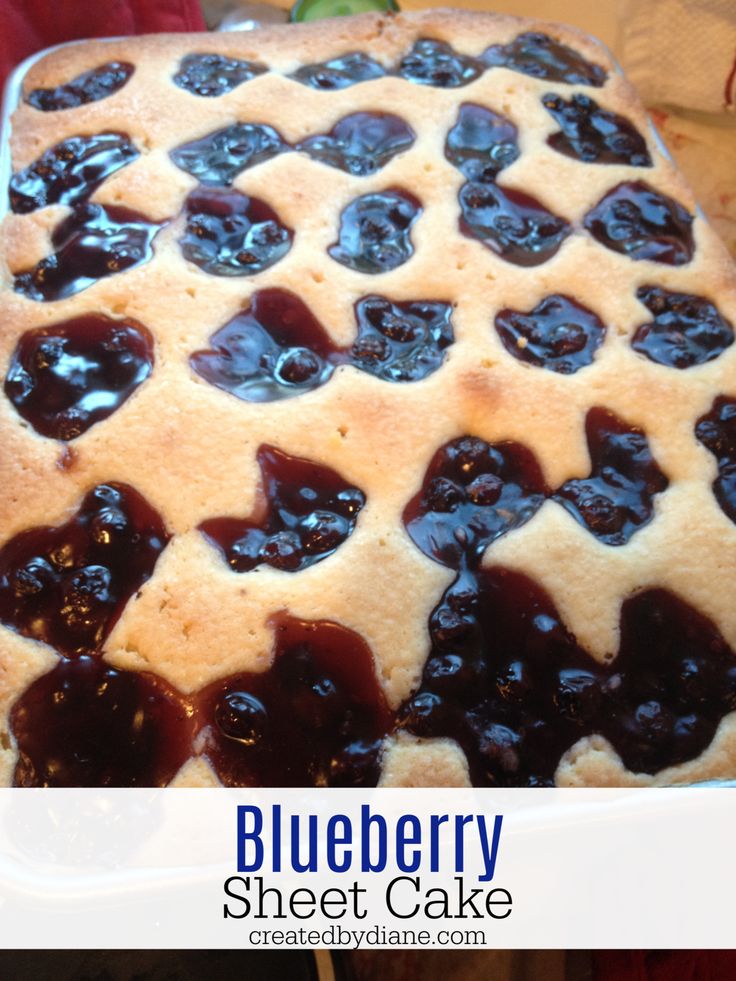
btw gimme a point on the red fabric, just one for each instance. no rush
(30, 25)
(664, 965)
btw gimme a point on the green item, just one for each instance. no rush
(304, 10)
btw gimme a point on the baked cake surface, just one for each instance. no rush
(366, 422)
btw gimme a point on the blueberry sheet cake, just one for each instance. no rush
(368, 417)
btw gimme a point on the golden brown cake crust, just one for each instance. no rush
(189, 449)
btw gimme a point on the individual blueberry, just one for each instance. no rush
(242, 717)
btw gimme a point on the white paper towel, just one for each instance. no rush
(681, 52)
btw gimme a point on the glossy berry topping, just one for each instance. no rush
(219, 157)
(717, 432)
(559, 334)
(401, 341)
(65, 378)
(84, 724)
(91, 243)
(231, 234)
(594, 135)
(375, 231)
(274, 349)
(68, 585)
(508, 681)
(305, 514)
(435, 63)
(317, 717)
(361, 143)
(617, 499)
(499, 661)
(686, 331)
(673, 681)
(641, 223)
(473, 492)
(339, 73)
(515, 226)
(481, 143)
(541, 56)
(91, 86)
(213, 74)
(70, 171)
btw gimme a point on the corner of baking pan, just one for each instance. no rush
(10, 102)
